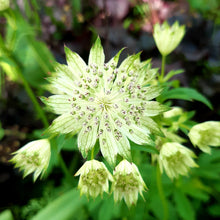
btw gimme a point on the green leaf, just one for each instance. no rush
(6, 215)
(65, 207)
(185, 94)
(172, 73)
(146, 148)
(183, 205)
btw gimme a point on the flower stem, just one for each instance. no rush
(92, 153)
(64, 167)
(33, 99)
(161, 194)
(162, 68)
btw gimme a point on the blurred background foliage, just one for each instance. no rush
(33, 34)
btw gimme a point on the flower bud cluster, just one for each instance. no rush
(126, 181)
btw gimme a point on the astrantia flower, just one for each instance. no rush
(176, 159)
(33, 157)
(102, 101)
(205, 134)
(94, 178)
(168, 37)
(127, 183)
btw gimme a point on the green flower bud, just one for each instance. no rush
(4, 4)
(33, 157)
(167, 37)
(176, 159)
(205, 134)
(175, 111)
(94, 178)
(127, 183)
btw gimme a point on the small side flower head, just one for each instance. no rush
(127, 183)
(168, 37)
(176, 159)
(4, 4)
(205, 134)
(94, 178)
(34, 158)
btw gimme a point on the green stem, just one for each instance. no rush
(162, 68)
(92, 153)
(64, 167)
(161, 194)
(33, 99)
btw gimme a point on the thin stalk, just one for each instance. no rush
(162, 68)
(33, 99)
(64, 167)
(92, 153)
(161, 194)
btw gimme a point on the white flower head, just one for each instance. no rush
(127, 183)
(101, 101)
(4, 4)
(205, 134)
(168, 37)
(176, 159)
(34, 158)
(94, 178)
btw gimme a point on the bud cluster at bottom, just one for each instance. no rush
(126, 181)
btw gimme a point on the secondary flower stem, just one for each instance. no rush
(92, 153)
(64, 167)
(163, 68)
(33, 99)
(161, 194)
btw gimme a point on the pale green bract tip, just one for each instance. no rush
(4, 4)
(176, 159)
(94, 178)
(205, 134)
(168, 37)
(127, 183)
(34, 158)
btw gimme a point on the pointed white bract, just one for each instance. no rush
(94, 178)
(127, 183)
(34, 158)
(105, 102)
(205, 134)
(168, 37)
(176, 159)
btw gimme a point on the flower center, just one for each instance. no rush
(104, 102)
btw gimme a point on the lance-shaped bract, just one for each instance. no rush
(4, 4)
(101, 101)
(94, 178)
(205, 134)
(168, 37)
(34, 157)
(176, 159)
(127, 183)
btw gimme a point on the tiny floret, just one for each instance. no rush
(94, 178)
(205, 134)
(176, 159)
(34, 158)
(105, 102)
(4, 4)
(127, 183)
(168, 37)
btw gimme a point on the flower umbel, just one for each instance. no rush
(176, 159)
(33, 157)
(101, 101)
(168, 37)
(127, 183)
(94, 178)
(205, 134)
